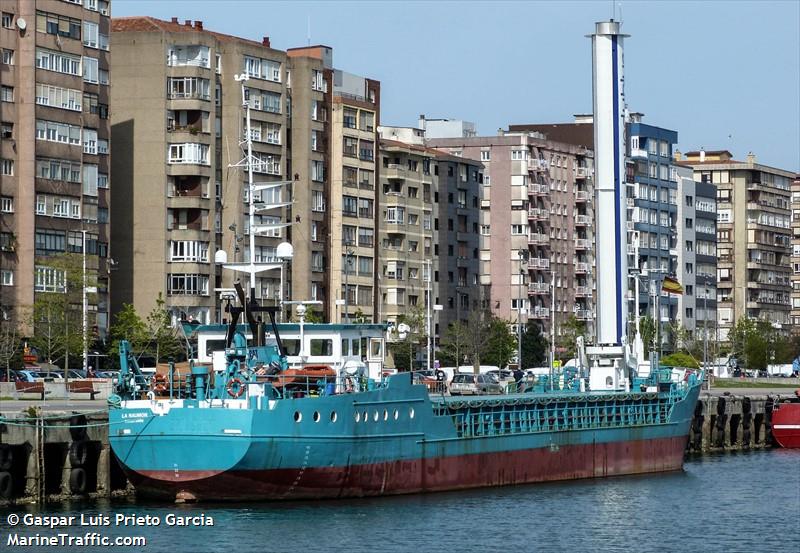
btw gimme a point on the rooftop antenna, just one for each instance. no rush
(308, 30)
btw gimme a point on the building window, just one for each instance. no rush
(486, 155)
(366, 150)
(90, 70)
(366, 237)
(89, 141)
(350, 206)
(366, 120)
(6, 130)
(49, 279)
(187, 284)
(6, 204)
(8, 56)
(7, 167)
(188, 55)
(6, 278)
(265, 163)
(58, 170)
(8, 20)
(318, 171)
(189, 153)
(190, 87)
(317, 201)
(90, 32)
(188, 251)
(60, 25)
(57, 97)
(7, 93)
(58, 62)
(58, 132)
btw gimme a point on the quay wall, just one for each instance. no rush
(53, 456)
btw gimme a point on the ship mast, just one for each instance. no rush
(251, 267)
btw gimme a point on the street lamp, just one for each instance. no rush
(523, 256)
(436, 308)
(348, 261)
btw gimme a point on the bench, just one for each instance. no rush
(83, 387)
(30, 388)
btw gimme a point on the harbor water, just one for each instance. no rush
(729, 502)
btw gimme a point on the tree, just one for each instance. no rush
(756, 343)
(452, 343)
(566, 341)
(9, 344)
(647, 330)
(128, 325)
(534, 347)
(680, 359)
(56, 316)
(405, 348)
(163, 338)
(500, 343)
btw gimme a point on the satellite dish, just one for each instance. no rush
(22, 24)
(220, 257)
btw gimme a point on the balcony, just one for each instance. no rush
(540, 313)
(538, 288)
(582, 244)
(581, 196)
(637, 153)
(394, 171)
(584, 315)
(536, 189)
(536, 164)
(538, 238)
(583, 292)
(538, 214)
(539, 263)
(583, 220)
(581, 268)
(581, 172)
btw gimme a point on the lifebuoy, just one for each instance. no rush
(440, 375)
(235, 388)
(159, 383)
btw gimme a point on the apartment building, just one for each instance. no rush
(354, 199)
(795, 315)
(180, 148)
(536, 225)
(54, 152)
(697, 254)
(652, 191)
(178, 127)
(428, 229)
(753, 237)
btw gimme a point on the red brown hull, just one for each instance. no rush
(786, 425)
(420, 475)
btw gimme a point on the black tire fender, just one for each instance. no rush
(77, 480)
(78, 453)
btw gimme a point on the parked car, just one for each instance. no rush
(504, 376)
(474, 384)
(23, 375)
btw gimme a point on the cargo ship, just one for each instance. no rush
(261, 424)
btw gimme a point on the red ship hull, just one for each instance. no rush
(421, 475)
(786, 424)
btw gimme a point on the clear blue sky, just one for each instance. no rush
(725, 75)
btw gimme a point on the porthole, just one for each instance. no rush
(375, 416)
(385, 415)
(365, 416)
(396, 414)
(316, 416)
(358, 416)
(298, 416)
(333, 416)
(411, 412)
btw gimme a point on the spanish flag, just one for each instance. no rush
(672, 286)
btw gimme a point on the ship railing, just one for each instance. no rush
(494, 417)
